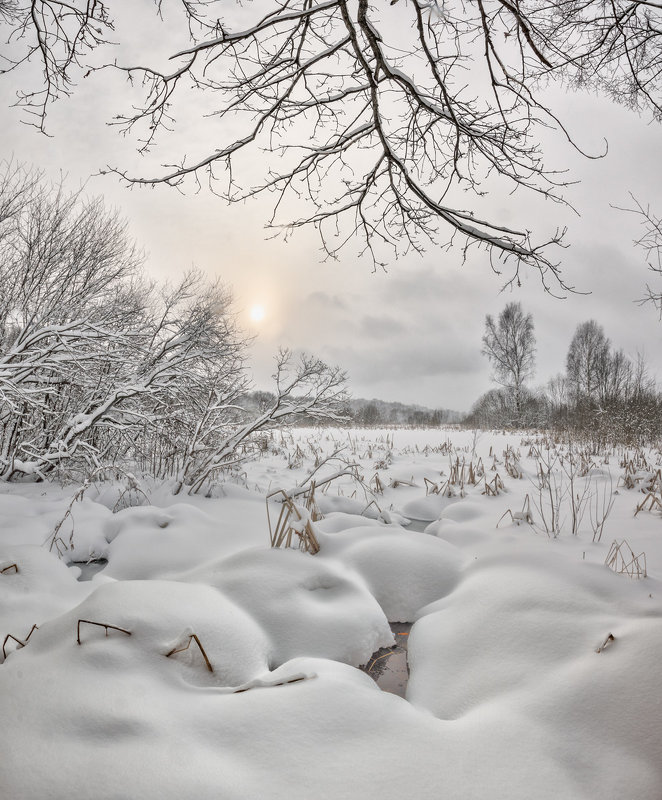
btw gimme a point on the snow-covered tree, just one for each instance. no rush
(99, 366)
(304, 386)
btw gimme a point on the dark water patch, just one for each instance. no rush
(388, 666)
(88, 569)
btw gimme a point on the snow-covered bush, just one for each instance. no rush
(99, 366)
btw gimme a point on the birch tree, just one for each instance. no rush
(510, 345)
(587, 362)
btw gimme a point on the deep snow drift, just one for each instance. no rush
(202, 663)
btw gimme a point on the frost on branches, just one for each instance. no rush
(100, 367)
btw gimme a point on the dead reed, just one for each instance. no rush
(294, 521)
(622, 560)
(105, 625)
(192, 638)
(17, 640)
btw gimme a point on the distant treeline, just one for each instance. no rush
(603, 394)
(374, 413)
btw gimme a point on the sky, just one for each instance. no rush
(409, 333)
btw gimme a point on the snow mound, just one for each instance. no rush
(32, 520)
(34, 586)
(464, 512)
(149, 542)
(428, 508)
(328, 503)
(518, 641)
(338, 521)
(136, 518)
(404, 570)
(307, 605)
(458, 533)
(161, 617)
(130, 731)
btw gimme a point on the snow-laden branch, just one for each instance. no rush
(304, 387)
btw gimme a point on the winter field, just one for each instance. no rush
(202, 662)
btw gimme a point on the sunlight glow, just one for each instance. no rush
(257, 313)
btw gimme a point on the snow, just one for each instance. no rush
(309, 606)
(508, 696)
(154, 542)
(404, 571)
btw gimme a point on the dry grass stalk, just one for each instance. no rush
(292, 521)
(626, 480)
(638, 470)
(622, 560)
(519, 516)
(100, 625)
(192, 637)
(653, 502)
(18, 641)
(55, 540)
(445, 447)
(600, 508)
(493, 487)
(610, 638)
(8, 567)
(431, 487)
(395, 482)
(296, 679)
(59, 544)
(295, 460)
(376, 484)
(586, 464)
(653, 483)
(447, 490)
(132, 490)
(471, 475)
(456, 472)
(310, 504)
(370, 504)
(512, 466)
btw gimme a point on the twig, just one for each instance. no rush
(192, 637)
(101, 625)
(18, 641)
(610, 638)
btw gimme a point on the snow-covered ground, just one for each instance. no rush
(218, 667)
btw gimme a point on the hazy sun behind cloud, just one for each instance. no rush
(257, 313)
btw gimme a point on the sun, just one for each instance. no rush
(257, 313)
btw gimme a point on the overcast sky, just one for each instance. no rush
(412, 333)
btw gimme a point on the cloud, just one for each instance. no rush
(380, 327)
(407, 360)
(326, 300)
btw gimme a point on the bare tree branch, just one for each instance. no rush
(376, 121)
